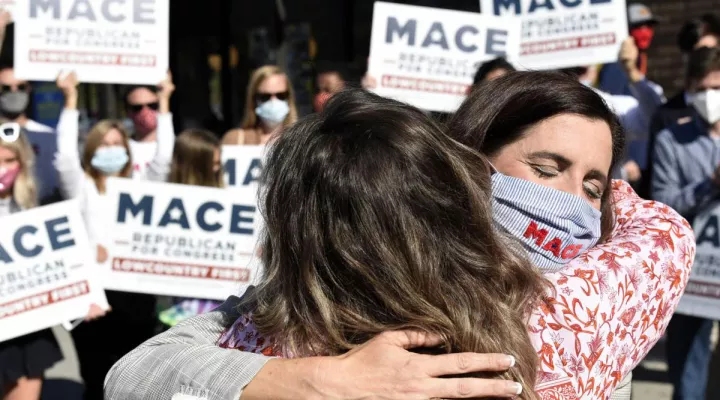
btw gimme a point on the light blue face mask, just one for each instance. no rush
(554, 226)
(273, 112)
(110, 160)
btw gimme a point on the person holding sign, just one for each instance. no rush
(108, 152)
(23, 360)
(269, 107)
(582, 275)
(196, 161)
(148, 108)
(686, 176)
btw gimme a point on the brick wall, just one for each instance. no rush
(665, 60)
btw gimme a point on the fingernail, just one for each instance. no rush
(511, 361)
(515, 388)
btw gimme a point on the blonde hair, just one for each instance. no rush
(25, 187)
(250, 120)
(94, 141)
(193, 159)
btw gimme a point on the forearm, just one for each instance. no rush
(286, 379)
(159, 167)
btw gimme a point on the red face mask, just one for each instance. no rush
(643, 36)
(320, 100)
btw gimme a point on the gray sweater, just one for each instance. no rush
(684, 158)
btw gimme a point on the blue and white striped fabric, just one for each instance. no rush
(554, 226)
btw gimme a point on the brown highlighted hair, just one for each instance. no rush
(94, 141)
(376, 221)
(498, 113)
(194, 158)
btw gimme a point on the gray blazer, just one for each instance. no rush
(186, 360)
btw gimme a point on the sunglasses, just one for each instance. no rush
(20, 88)
(138, 107)
(263, 97)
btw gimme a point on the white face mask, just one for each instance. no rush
(707, 104)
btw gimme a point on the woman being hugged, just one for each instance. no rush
(269, 107)
(23, 360)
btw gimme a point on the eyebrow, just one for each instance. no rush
(548, 155)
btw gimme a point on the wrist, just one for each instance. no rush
(289, 379)
(164, 105)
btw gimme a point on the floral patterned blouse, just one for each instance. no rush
(612, 304)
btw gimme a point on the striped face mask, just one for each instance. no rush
(553, 226)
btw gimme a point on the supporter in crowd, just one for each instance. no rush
(331, 78)
(269, 107)
(686, 177)
(196, 161)
(23, 360)
(15, 95)
(695, 33)
(614, 78)
(148, 108)
(107, 153)
(492, 69)
(578, 167)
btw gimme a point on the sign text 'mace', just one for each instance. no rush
(181, 240)
(428, 57)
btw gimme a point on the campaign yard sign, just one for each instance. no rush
(564, 33)
(180, 240)
(47, 272)
(104, 41)
(702, 293)
(242, 165)
(428, 57)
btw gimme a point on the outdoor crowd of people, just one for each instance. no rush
(501, 251)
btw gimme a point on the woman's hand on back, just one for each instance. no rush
(383, 368)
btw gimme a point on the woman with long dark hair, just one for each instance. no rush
(551, 191)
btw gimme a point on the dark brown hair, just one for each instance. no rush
(702, 61)
(497, 113)
(193, 159)
(376, 221)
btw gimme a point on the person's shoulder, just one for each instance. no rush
(232, 136)
(34, 126)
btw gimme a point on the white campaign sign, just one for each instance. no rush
(180, 240)
(47, 272)
(702, 294)
(428, 57)
(242, 164)
(564, 33)
(104, 41)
